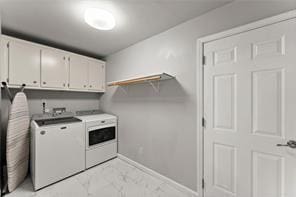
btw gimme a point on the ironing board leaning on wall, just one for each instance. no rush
(17, 140)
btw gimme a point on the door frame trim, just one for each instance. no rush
(200, 81)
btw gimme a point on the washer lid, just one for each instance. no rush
(53, 121)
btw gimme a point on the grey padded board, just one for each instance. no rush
(17, 141)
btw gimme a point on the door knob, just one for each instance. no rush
(290, 143)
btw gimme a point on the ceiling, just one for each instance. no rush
(60, 23)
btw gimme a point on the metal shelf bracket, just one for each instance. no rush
(124, 89)
(155, 86)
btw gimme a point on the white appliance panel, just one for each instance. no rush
(101, 154)
(59, 152)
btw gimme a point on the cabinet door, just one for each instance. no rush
(54, 69)
(96, 75)
(23, 64)
(4, 59)
(78, 72)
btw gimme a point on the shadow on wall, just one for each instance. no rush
(39, 94)
(73, 101)
(169, 91)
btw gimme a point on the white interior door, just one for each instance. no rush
(54, 69)
(23, 64)
(250, 107)
(78, 73)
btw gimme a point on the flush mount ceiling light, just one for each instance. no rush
(99, 19)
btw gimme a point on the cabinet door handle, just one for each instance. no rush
(64, 85)
(90, 86)
(84, 86)
(34, 81)
(63, 127)
(44, 82)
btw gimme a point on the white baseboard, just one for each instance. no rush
(165, 179)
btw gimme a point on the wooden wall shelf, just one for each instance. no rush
(153, 80)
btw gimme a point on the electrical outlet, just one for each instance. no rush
(43, 101)
(140, 151)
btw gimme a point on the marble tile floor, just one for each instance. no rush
(114, 178)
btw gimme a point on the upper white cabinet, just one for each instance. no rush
(96, 74)
(42, 67)
(86, 73)
(78, 72)
(23, 64)
(54, 69)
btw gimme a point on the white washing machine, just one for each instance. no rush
(57, 149)
(101, 136)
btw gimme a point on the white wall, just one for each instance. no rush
(158, 130)
(73, 101)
